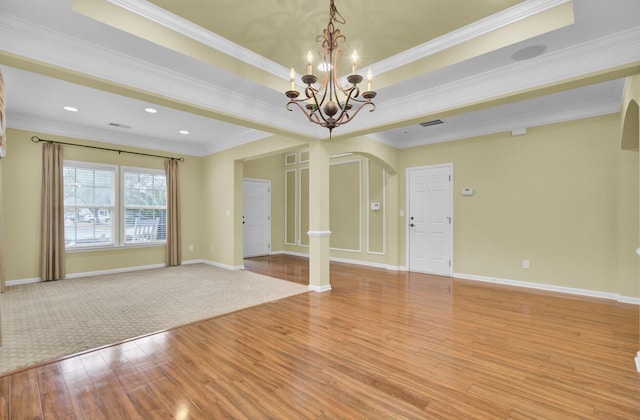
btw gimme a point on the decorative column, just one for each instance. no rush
(319, 233)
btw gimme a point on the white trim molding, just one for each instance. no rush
(20, 282)
(550, 288)
(466, 33)
(320, 289)
(187, 28)
(114, 271)
(319, 233)
(346, 261)
(214, 264)
(87, 274)
(225, 266)
(638, 362)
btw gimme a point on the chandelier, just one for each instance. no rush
(330, 104)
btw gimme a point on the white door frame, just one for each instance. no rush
(406, 212)
(268, 182)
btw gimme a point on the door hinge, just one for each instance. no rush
(449, 178)
(268, 217)
(449, 263)
(269, 246)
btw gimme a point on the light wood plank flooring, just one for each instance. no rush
(380, 345)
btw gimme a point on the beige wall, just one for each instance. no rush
(357, 232)
(222, 175)
(630, 128)
(21, 206)
(563, 196)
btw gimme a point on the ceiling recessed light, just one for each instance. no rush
(184, 132)
(151, 110)
(70, 109)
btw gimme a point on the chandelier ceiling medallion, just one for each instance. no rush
(330, 104)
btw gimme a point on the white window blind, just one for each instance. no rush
(89, 204)
(144, 202)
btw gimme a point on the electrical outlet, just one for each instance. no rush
(190, 247)
(526, 264)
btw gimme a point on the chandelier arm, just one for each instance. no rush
(310, 116)
(357, 111)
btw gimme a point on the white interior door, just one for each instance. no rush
(256, 218)
(429, 219)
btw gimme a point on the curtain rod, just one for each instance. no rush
(37, 139)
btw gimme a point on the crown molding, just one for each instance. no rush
(184, 27)
(586, 59)
(36, 42)
(508, 124)
(29, 123)
(466, 33)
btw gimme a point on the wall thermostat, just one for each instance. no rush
(467, 191)
(375, 206)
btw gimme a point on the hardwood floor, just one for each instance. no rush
(379, 345)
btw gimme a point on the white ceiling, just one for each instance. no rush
(605, 35)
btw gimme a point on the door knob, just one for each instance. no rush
(412, 225)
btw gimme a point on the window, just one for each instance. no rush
(92, 215)
(89, 204)
(145, 205)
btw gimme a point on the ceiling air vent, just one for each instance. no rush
(112, 124)
(430, 123)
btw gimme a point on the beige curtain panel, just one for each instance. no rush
(52, 246)
(174, 253)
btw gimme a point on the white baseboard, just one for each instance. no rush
(550, 288)
(114, 271)
(220, 265)
(22, 281)
(345, 260)
(320, 289)
(365, 263)
(291, 253)
(86, 274)
(638, 362)
(189, 262)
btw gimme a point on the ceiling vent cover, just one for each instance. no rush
(430, 123)
(112, 124)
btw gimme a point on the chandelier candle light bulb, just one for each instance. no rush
(309, 62)
(369, 77)
(292, 78)
(354, 62)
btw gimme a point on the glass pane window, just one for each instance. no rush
(89, 204)
(144, 205)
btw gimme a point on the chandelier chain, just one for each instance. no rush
(334, 15)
